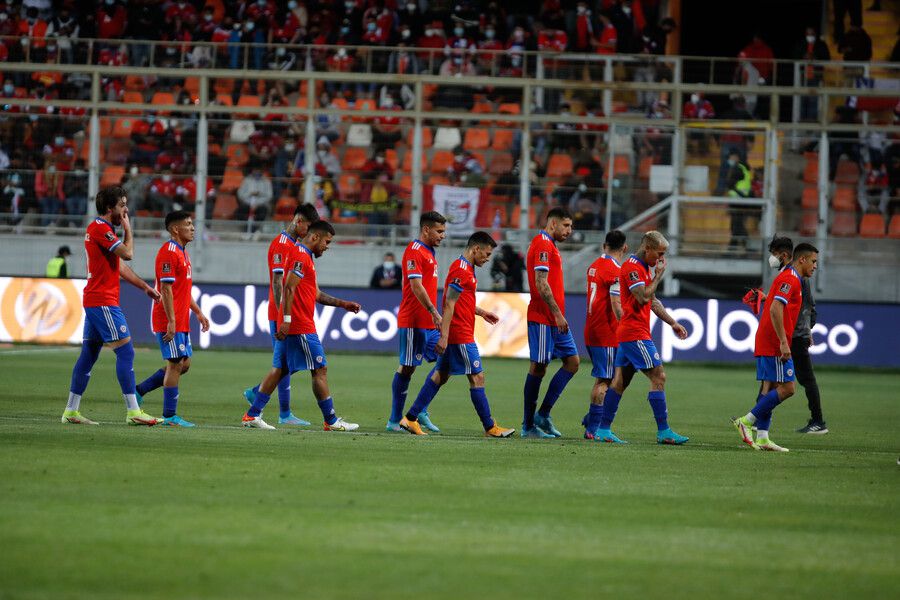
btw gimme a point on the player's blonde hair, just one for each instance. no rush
(655, 240)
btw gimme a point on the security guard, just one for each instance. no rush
(56, 268)
(740, 182)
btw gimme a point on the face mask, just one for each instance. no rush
(388, 103)
(280, 51)
(489, 34)
(349, 5)
(429, 32)
(151, 119)
(388, 266)
(345, 30)
(516, 61)
(262, 2)
(79, 171)
(3, 17)
(9, 89)
(731, 162)
(774, 261)
(626, 10)
(250, 25)
(405, 34)
(207, 17)
(582, 10)
(292, 5)
(810, 39)
(110, 2)
(410, 7)
(289, 147)
(133, 170)
(459, 31)
(379, 160)
(341, 53)
(52, 168)
(15, 180)
(167, 178)
(695, 98)
(371, 26)
(181, 5)
(59, 141)
(236, 26)
(457, 61)
(582, 188)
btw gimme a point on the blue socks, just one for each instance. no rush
(125, 367)
(610, 406)
(764, 422)
(170, 401)
(657, 400)
(284, 396)
(532, 388)
(426, 395)
(81, 373)
(151, 383)
(764, 407)
(327, 408)
(258, 404)
(595, 413)
(557, 385)
(399, 387)
(480, 402)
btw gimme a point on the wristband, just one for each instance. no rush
(287, 318)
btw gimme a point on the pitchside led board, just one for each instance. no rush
(49, 311)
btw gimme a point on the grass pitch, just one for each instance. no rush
(224, 512)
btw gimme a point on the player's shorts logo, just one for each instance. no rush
(476, 364)
(123, 328)
(181, 347)
(790, 372)
(419, 356)
(656, 355)
(319, 359)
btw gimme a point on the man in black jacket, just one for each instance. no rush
(386, 276)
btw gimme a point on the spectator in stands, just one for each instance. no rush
(60, 151)
(264, 143)
(135, 185)
(172, 157)
(402, 62)
(65, 29)
(465, 169)
(507, 269)
(324, 194)
(146, 137)
(840, 8)
(377, 165)
(432, 44)
(460, 43)
(733, 141)
(386, 276)
(627, 27)
(386, 131)
(811, 48)
(162, 193)
(874, 188)
(206, 25)
(186, 195)
(33, 36)
(857, 45)
(411, 17)
(111, 20)
(75, 190)
(48, 189)
(489, 60)
(297, 18)
(656, 35)
(581, 38)
(340, 61)
(564, 138)
(324, 157)
(607, 36)
(698, 108)
(328, 125)
(145, 22)
(254, 199)
(15, 201)
(739, 182)
(508, 188)
(180, 13)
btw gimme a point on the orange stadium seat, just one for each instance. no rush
(135, 83)
(508, 108)
(427, 137)
(354, 159)
(559, 165)
(163, 98)
(644, 167)
(872, 226)
(192, 85)
(809, 221)
(503, 139)
(132, 98)
(844, 224)
(238, 155)
(225, 207)
(405, 186)
(441, 161)
(232, 179)
(810, 197)
(894, 227)
(390, 156)
(284, 208)
(118, 150)
(248, 100)
(122, 127)
(811, 171)
(407, 161)
(223, 86)
(621, 165)
(501, 163)
(112, 175)
(349, 186)
(363, 104)
(477, 138)
(844, 198)
(847, 172)
(224, 99)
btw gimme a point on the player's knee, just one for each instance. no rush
(185, 365)
(572, 363)
(538, 369)
(659, 379)
(478, 380)
(125, 351)
(406, 370)
(787, 390)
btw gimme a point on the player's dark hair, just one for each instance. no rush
(781, 244)
(559, 213)
(308, 212)
(615, 239)
(432, 218)
(804, 249)
(175, 216)
(108, 198)
(320, 227)
(481, 238)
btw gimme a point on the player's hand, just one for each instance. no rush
(153, 293)
(437, 319)
(809, 342)
(353, 307)
(441, 345)
(204, 322)
(490, 317)
(170, 332)
(283, 330)
(785, 350)
(561, 323)
(679, 330)
(126, 221)
(660, 268)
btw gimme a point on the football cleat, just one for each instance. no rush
(139, 417)
(175, 421)
(425, 422)
(341, 425)
(814, 427)
(292, 420)
(499, 432)
(770, 446)
(667, 436)
(393, 427)
(545, 424)
(73, 417)
(744, 428)
(534, 432)
(255, 422)
(411, 426)
(608, 437)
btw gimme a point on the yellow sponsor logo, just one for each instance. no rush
(509, 337)
(41, 310)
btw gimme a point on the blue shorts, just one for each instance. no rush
(273, 329)
(417, 345)
(772, 368)
(105, 323)
(460, 359)
(640, 354)
(299, 352)
(603, 358)
(546, 343)
(179, 347)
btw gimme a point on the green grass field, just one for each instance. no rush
(224, 512)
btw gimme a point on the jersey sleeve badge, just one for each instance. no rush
(633, 276)
(166, 268)
(785, 288)
(410, 265)
(110, 236)
(543, 257)
(276, 259)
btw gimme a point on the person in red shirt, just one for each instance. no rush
(774, 363)
(104, 322)
(298, 347)
(186, 194)
(636, 351)
(162, 192)
(603, 313)
(607, 39)
(418, 321)
(280, 250)
(171, 317)
(456, 346)
(181, 12)
(548, 331)
(111, 19)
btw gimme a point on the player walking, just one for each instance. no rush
(104, 323)
(774, 364)
(171, 316)
(548, 331)
(418, 320)
(297, 345)
(458, 353)
(636, 351)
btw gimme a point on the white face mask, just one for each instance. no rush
(388, 103)
(388, 266)
(582, 188)
(774, 261)
(489, 34)
(626, 10)
(405, 34)
(695, 98)
(289, 147)
(410, 7)
(167, 178)
(810, 39)
(429, 32)
(133, 170)
(459, 31)
(249, 25)
(9, 89)
(60, 141)
(292, 5)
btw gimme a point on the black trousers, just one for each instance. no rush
(806, 377)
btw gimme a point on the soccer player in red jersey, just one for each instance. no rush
(774, 363)
(171, 316)
(418, 320)
(297, 344)
(603, 313)
(279, 251)
(104, 322)
(548, 331)
(636, 351)
(458, 353)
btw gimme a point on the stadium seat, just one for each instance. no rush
(135, 83)
(559, 165)
(508, 108)
(354, 159)
(390, 156)
(224, 99)
(644, 167)
(131, 97)
(238, 155)
(810, 197)
(349, 186)
(427, 137)
(284, 208)
(163, 98)
(248, 100)
(231, 181)
(223, 86)
(404, 187)
(441, 161)
(407, 161)
(811, 171)
(477, 138)
(482, 107)
(872, 226)
(501, 163)
(122, 127)
(106, 127)
(117, 150)
(809, 222)
(225, 206)
(844, 224)
(447, 138)
(340, 103)
(503, 139)
(621, 165)
(192, 86)
(847, 172)
(844, 198)
(364, 104)
(112, 175)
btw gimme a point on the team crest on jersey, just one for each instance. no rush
(110, 235)
(166, 268)
(457, 281)
(543, 257)
(298, 268)
(592, 272)
(410, 265)
(276, 259)
(633, 276)
(785, 288)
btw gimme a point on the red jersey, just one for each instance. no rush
(280, 251)
(543, 255)
(785, 289)
(303, 307)
(173, 265)
(635, 323)
(462, 279)
(418, 262)
(602, 283)
(102, 287)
